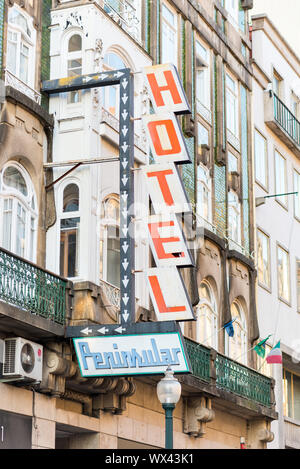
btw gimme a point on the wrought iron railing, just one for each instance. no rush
(239, 379)
(15, 82)
(199, 358)
(124, 13)
(112, 293)
(31, 288)
(286, 119)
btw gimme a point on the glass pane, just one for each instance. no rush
(75, 43)
(24, 66)
(283, 274)
(260, 158)
(13, 178)
(7, 224)
(232, 162)
(114, 61)
(69, 247)
(20, 233)
(16, 17)
(263, 258)
(296, 389)
(71, 198)
(280, 177)
(12, 57)
(113, 256)
(168, 15)
(288, 395)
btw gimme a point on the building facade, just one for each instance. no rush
(276, 151)
(60, 249)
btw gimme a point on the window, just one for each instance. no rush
(263, 259)
(204, 193)
(234, 218)
(260, 156)
(232, 105)
(70, 232)
(74, 65)
(202, 77)
(294, 105)
(232, 163)
(232, 6)
(280, 179)
(18, 215)
(169, 36)
(110, 244)
(207, 316)
(21, 46)
(298, 284)
(236, 346)
(291, 395)
(111, 93)
(283, 272)
(297, 196)
(277, 84)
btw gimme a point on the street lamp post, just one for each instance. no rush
(168, 392)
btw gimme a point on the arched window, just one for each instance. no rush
(234, 217)
(236, 346)
(70, 232)
(74, 64)
(110, 243)
(111, 93)
(207, 316)
(21, 38)
(18, 212)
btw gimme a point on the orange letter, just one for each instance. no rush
(164, 137)
(162, 307)
(164, 186)
(171, 86)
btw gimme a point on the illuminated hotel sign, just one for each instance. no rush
(130, 355)
(167, 194)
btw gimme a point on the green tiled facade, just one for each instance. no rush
(245, 171)
(45, 56)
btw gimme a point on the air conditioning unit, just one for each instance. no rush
(22, 360)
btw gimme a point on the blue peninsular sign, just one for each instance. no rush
(129, 355)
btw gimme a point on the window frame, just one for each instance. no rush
(235, 94)
(283, 205)
(206, 70)
(296, 172)
(243, 358)
(213, 307)
(175, 29)
(285, 394)
(239, 212)
(23, 39)
(261, 284)
(279, 246)
(105, 223)
(69, 215)
(265, 185)
(31, 214)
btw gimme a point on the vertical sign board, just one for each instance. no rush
(169, 199)
(127, 245)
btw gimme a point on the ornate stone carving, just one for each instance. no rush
(198, 412)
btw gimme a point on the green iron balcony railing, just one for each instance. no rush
(286, 119)
(239, 379)
(199, 358)
(231, 376)
(31, 288)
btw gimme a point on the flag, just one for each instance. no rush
(275, 356)
(260, 348)
(229, 328)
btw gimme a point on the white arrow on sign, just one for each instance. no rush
(125, 299)
(124, 98)
(125, 264)
(124, 180)
(87, 79)
(118, 74)
(125, 213)
(125, 230)
(125, 246)
(124, 114)
(120, 330)
(125, 315)
(125, 281)
(86, 331)
(103, 330)
(124, 147)
(125, 163)
(124, 83)
(102, 77)
(125, 196)
(125, 130)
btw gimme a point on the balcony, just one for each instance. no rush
(31, 289)
(228, 377)
(14, 82)
(124, 13)
(284, 124)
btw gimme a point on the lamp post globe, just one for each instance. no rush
(168, 392)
